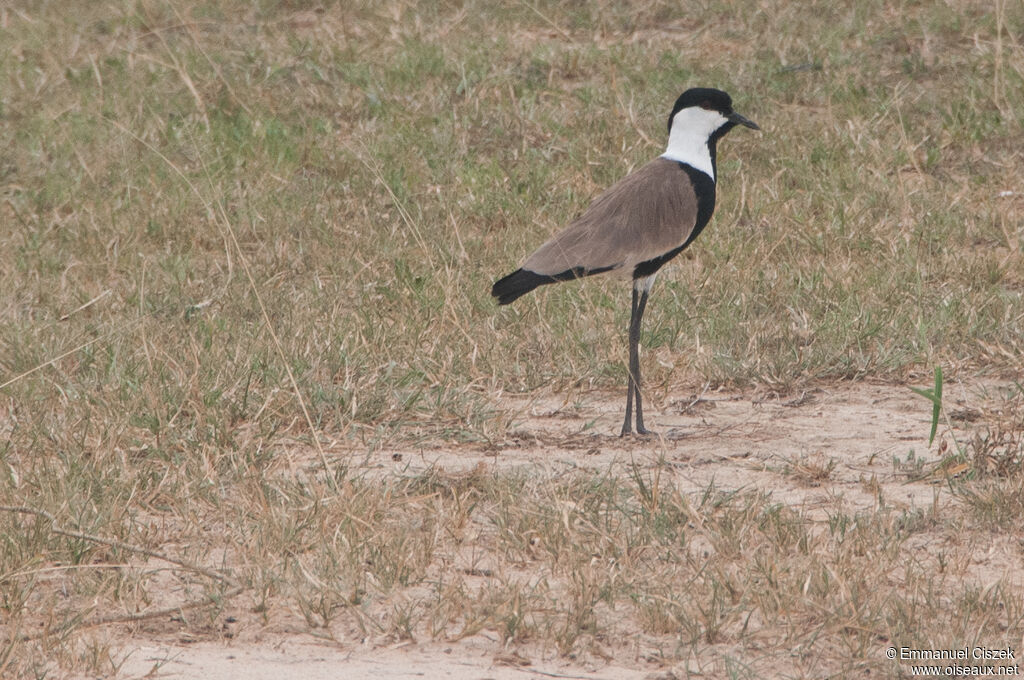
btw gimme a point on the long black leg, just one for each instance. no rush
(634, 369)
(627, 425)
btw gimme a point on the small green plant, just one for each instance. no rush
(933, 395)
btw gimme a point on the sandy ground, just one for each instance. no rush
(306, 660)
(739, 440)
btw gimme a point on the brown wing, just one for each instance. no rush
(646, 214)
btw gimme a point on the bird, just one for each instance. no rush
(641, 222)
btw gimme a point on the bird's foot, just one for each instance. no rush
(641, 431)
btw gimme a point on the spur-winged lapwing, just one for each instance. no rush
(641, 222)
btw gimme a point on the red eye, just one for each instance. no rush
(706, 105)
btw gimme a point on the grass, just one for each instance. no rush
(366, 171)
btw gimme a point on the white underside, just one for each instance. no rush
(644, 285)
(688, 139)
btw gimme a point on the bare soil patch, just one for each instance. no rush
(847, 441)
(775, 442)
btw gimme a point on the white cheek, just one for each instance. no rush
(698, 120)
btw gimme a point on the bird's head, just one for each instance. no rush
(705, 112)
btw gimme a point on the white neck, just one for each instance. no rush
(688, 139)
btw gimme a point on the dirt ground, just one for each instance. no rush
(738, 440)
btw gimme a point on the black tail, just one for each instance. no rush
(522, 281)
(517, 284)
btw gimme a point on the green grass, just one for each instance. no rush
(378, 168)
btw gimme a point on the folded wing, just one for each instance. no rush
(646, 217)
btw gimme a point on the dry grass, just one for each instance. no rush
(180, 182)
